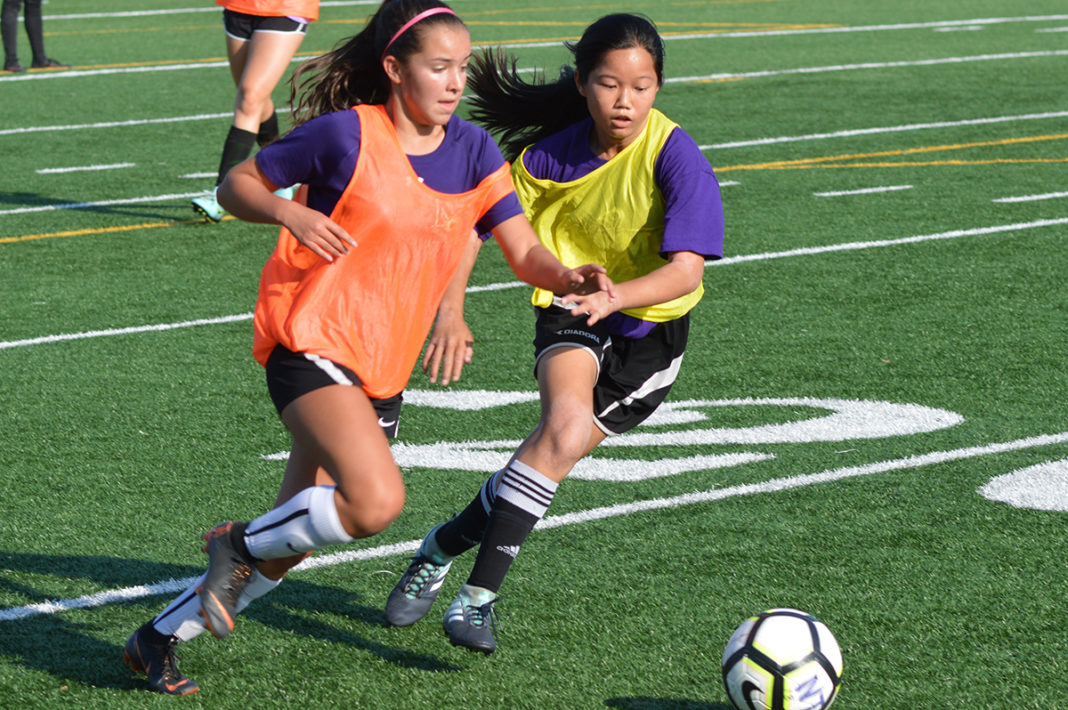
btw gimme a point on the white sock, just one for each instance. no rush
(182, 618)
(307, 521)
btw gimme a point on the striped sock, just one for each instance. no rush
(523, 497)
(307, 521)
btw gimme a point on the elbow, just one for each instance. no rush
(691, 281)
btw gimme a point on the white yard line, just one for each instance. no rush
(186, 11)
(119, 124)
(849, 133)
(83, 168)
(171, 586)
(847, 29)
(39, 76)
(763, 256)
(101, 203)
(865, 191)
(1032, 198)
(765, 73)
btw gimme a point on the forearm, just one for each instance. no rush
(540, 268)
(248, 194)
(452, 303)
(674, 279)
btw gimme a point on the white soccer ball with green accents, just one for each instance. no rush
(782, 659)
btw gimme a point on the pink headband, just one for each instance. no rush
(407, 25)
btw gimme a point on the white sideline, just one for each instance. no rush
(101, 203)
(884, 129)
(763, 74)
(804, 251)
(554, 521)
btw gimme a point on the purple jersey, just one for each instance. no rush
(693, 219)
(322, 154)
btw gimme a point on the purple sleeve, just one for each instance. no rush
(506, 208)
(488, 158)
(321, 154)
(693, 218)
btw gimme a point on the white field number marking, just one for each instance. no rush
(1044, 486)
(835, 420)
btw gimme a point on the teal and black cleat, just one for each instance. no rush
(470, 620)
(207, 206)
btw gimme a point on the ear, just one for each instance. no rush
(578, 84)
(392, 67)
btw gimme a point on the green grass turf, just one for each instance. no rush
(117, 451)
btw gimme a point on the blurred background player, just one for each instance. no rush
(262, 37)
(394, 185)
(610, 180)
(9, 20)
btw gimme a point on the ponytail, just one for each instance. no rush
(352, 73)
(517, 112)
(521, 113)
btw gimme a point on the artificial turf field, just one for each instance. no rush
(870, 423)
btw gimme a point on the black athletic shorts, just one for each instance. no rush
(290, 375)
(634, 375)
(241, 26)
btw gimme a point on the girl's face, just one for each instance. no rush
(619, 94)
(430, 83)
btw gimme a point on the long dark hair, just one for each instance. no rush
(519, 113)
(352, 73)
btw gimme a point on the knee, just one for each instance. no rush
(373, 510)
(565, 438)
(250, 100)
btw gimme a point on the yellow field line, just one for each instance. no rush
(919, 164)
(130, 30)
(615, 7)
(101, 230)
(811, 162)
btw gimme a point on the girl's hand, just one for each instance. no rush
(589, 278)
(318, 232)
(592, 292)
(452, 342)
(598, 305)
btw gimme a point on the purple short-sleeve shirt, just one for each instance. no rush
(322, 154)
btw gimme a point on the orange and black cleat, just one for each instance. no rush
(229, 570)
(150, 652)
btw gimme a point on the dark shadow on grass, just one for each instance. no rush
(643, 703)
(72, 651)
(277, 613)
(174, 211)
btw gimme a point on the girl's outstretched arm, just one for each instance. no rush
(536, 265)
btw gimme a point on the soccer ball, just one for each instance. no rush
(782, 659)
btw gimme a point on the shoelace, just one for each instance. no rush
(427, 571)
(480, 614)
(170, 661)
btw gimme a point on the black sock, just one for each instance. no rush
(465, 530)
(237, 147)
(153, 637)
(508, 527)
(237, 539)
(522, 495)
(268, 130)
